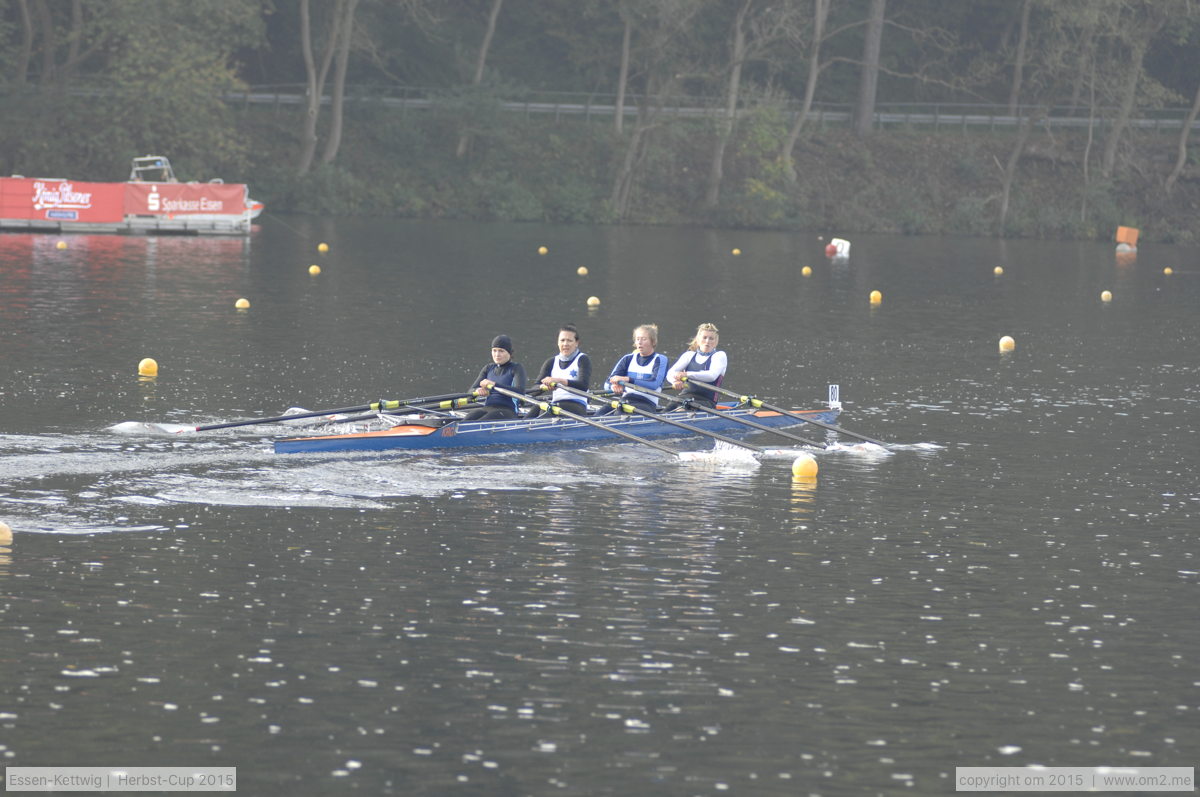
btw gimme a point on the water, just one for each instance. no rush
(1013, 583)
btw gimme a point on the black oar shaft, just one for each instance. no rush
(378, 405)
(624, 407)
(556, 410)
(764, 405)
(728, 416)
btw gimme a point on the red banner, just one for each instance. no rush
(60, 200)
(182, 199)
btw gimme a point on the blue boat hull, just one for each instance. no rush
(547, 431)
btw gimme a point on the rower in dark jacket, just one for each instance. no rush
(501, 371)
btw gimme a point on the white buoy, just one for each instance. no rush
(593, 301)
(242, 304)
(838, 248)
(1007, 343)
(148, 367)
(582, 271)
(1106, 296)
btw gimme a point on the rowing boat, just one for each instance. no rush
(438, 433)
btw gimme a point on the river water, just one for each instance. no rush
(1013, 582)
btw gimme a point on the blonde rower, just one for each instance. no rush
(703, 364)
(640, 368)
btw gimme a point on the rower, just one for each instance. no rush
(571, 368)
(501, 371)
(704, 364)
(642, 367)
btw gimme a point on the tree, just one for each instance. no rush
(1182, 148)
(168, 66)
(820, 16)
(656, 55)
(464, 138)
(864, 113)
(757, 29)
(737, 58)
(1141, 21)
(340, 23)
(1019, 59)
(623, 72)
(61, 53)
(26, 51)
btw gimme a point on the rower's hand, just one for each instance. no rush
(549, 382)
(677, 384)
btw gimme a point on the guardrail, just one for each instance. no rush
(936, 115)
(559, 104)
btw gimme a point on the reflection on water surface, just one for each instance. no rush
(1012, 583)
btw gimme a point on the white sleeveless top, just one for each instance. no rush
(645, 373)
(567, 372)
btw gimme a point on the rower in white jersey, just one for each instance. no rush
(571, 367)
(703, 364)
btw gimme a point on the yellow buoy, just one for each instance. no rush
(148, 367)
(582, 271)
(1168, 271)
(736, 252)
(876, 297)
(61, 245)
(242, 304)
(593, 301)
(314, 269)
(805, 466)
(806, 271)
(1007, 343)
(998, 270)
(5, 534)
(322, 247)
(1106, 296)
(542, 250)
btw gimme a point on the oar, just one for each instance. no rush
(624, 407)
(727, 416)
(753, 402)
(429, 410)
(374, 407)
(554, 409)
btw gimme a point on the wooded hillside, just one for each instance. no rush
(733, 112)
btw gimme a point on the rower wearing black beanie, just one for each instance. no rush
(500, 371)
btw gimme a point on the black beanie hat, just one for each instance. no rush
(502, 342)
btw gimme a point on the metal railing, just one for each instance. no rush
(559, 104)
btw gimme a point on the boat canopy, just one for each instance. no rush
(152, 169)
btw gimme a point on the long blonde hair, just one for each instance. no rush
(651, 332)
(705, 327)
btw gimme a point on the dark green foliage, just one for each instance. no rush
(539, 169)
